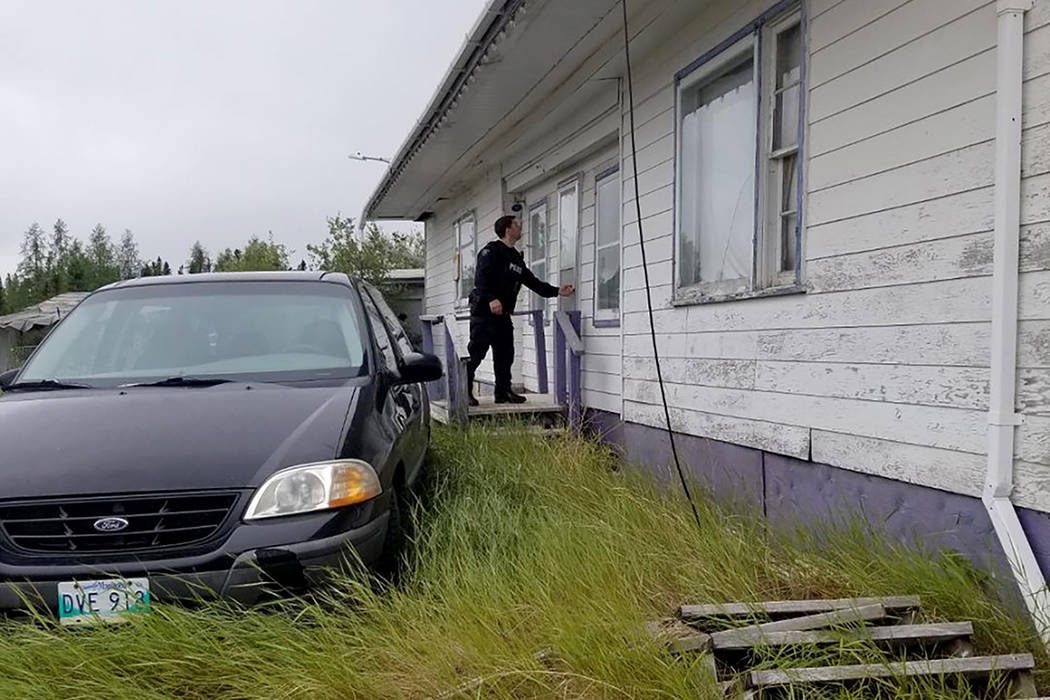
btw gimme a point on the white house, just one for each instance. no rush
(832, 193)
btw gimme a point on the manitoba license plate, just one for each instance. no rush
(106, 601)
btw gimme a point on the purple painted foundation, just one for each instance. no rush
(791, 491)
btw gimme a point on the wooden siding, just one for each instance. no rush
(882, 365)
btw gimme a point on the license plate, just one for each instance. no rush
(110, 600)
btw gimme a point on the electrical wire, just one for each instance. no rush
(645, 268)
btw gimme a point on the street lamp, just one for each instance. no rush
(360, 156)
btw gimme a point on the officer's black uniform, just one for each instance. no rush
(500, 273)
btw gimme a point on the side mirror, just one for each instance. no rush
(420, 367)
(8, 377)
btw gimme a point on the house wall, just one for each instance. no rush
(881, 367)
(484, 198)
(601, 379)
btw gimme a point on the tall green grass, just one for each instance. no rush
(525, 545)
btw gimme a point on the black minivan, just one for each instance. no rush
(207, 435)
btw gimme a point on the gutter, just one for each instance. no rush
(489, 30)
(1002, 420)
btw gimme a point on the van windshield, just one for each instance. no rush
(261, 331)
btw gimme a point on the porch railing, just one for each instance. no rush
(568, 351)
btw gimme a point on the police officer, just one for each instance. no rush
(500, 273)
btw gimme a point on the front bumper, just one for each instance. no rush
(283, 556)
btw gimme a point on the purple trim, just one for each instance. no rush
(540, 340)
(799, 195)
(575, 380)
(760, 157)
(608, 172)
(434, 389)
(451, 367)
(792, 492)
(559, 364)
(749, 28)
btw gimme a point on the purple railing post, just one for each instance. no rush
(457, 380)
(450, 369)
(540, 339)
(559, 363)
(433, 388)
(575, 379)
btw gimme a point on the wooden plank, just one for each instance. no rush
(952, 86)
(777, 438)
(739, 374)
(946, 259)
(937, 218)
(895, 634)
(948, 428)
(974, 666)
(919, 22)
(831, 21)
(903, 64)
(965, 169)
(842, 616)
(956, 387)
(948, 470)
(535, 403)
(943, 132)
(795, 607)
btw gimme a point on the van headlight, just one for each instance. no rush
(312, 487)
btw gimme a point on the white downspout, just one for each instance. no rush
(1002, 419)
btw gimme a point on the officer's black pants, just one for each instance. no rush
(496, 332)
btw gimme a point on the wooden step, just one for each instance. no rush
(756, 633)
(977, 666)
(889, 635)
(779, 608)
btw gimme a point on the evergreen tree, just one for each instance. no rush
(58, 259)
(199, 261)
(32, 269)
(128, 261)
(102, 257)
(79, 271)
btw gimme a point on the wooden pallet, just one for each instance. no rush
(702, 629)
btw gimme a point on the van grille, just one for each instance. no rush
(94, 525)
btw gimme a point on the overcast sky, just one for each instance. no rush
(209, 119)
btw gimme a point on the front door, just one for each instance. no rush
(568, 240)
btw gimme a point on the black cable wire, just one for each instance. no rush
(645, 267)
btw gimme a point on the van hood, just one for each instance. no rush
(100, 441)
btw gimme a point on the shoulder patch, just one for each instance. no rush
(484, 251)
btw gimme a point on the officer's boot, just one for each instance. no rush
(509, 397)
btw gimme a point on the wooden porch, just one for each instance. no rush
(449, 395)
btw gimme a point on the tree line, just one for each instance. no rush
(58, 262)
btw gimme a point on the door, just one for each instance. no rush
(568, 240)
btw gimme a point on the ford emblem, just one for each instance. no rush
(111, 524)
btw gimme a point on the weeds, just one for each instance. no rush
(523, 544)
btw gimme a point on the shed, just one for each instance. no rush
(14, 328)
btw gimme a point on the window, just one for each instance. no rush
(568, 224)
(739, 191)
(466, 254)
(537, 255)
(255, 331)
(388, 355)
(393, 323)
(607, 247)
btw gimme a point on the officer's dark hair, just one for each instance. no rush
(502, 224)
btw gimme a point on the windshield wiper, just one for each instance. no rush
(47, 385)
(181, 381)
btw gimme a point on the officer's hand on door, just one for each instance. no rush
(566, 290)
(496, 307)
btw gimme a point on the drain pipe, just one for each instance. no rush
(1002, 420)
